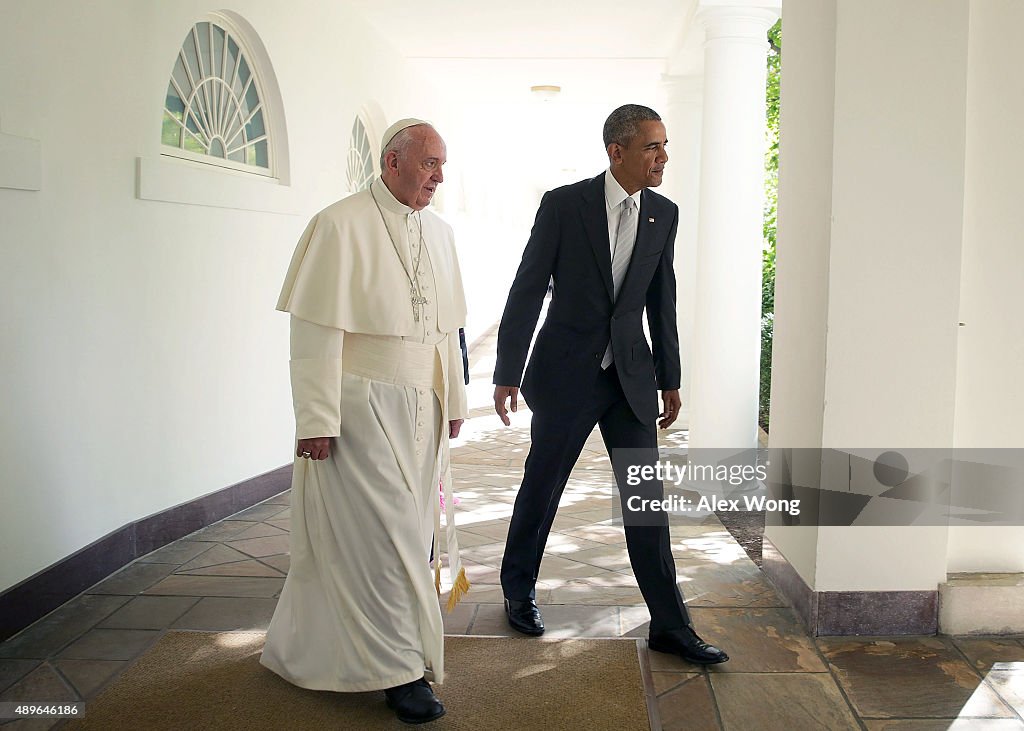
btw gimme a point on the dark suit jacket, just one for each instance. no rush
(569, 242)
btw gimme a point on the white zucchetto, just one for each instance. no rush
(397, 127)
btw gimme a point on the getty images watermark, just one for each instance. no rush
(690, 475)
(814, 487)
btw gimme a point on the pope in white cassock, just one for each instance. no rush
(376, 304)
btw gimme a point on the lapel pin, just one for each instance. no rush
(650, 220)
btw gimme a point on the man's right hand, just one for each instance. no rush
(315, 448)
(501, 395)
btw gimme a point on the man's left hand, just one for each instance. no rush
(671, 403)
(454, 426)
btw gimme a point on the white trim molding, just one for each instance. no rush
(180, 181)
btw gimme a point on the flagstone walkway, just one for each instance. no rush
(227, 577)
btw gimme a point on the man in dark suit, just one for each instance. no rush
(607, 243)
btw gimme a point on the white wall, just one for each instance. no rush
(990, 396)
(144, 364)
(897, 216)
(891, 154)
(897, 201)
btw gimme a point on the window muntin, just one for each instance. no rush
(360, 158)
(214, 111)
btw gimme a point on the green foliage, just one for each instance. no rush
(764, 394)
(771, 188)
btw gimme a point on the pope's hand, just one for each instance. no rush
(454, 427)
(501, 394)
(315, 448)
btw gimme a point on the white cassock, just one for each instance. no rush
(359, 609)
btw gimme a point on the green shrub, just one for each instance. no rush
(771, 187)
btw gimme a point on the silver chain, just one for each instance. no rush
(415, 295)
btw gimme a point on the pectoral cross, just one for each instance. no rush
(418, 301)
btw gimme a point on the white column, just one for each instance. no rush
(727, 343)
(866, 335)
(683, 96)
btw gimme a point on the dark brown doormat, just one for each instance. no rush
(210, 680)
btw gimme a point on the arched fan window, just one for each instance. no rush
(360, 158)
(214, 111)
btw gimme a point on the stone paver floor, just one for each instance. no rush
(227, 577)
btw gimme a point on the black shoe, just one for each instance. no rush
(414, 702)
(523, 616)
(686, 644)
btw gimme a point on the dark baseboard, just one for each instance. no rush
(38, 595)
(790, 584)
(825, 613)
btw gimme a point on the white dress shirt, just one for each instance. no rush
(613, 197)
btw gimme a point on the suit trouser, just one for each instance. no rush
(556, 443)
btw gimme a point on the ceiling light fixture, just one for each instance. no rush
(545, 92)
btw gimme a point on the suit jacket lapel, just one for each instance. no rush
(648, 212)
(595, 220)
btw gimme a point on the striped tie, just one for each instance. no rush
(625, 237)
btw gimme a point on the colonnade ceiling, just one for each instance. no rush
(495, 52)
(564, 29)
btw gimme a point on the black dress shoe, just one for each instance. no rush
(414, 702)
(686, 644)
(523, 616)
